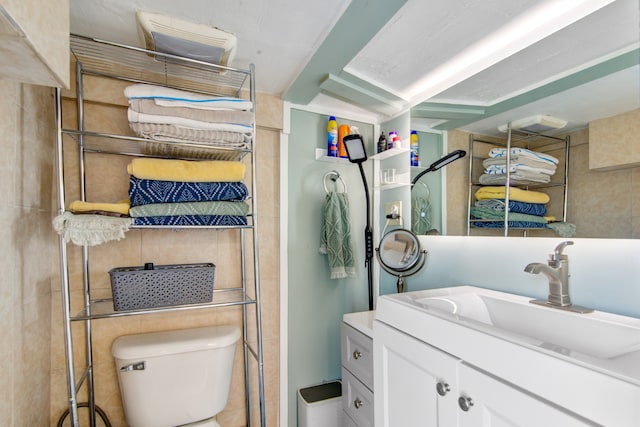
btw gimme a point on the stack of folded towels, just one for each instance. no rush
(170, 115)
(527, 209)
(182, 192)
(526, 167)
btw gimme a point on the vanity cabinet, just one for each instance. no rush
(420, 385)
(357, 370)
(416, 384)
(485, 401)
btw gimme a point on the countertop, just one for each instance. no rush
(362, 321)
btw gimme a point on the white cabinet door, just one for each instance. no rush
(414, 383)
(487, 401)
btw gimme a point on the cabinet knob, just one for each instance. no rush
(465, 403)
(358, 403)
(357, 354)
(443, 388)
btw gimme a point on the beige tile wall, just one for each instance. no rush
(26, 250)
(602, 204)
(107, 180)
(615, 141)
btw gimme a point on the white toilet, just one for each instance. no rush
(175, 378)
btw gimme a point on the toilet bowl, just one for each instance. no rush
(175, 378)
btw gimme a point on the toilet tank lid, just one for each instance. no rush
(173, 342)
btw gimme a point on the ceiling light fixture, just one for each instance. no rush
(174, 36)
(535, 124)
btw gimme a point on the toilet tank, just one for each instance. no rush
(175, 377)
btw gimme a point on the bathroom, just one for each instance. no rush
(297, 302)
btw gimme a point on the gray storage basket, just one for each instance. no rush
(152, 286)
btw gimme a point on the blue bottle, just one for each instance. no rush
(332, 137)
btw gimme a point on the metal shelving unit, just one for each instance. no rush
(115, 61)
(532, 141)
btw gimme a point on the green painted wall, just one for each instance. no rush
(317, 303)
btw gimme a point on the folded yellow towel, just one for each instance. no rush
(186, 171)
(517, 194)
(121, 207)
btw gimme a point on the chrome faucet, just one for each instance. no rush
(557, 271)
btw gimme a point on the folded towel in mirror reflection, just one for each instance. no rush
(523, 152)
(519, 161)
(517, 194)
(514, 206)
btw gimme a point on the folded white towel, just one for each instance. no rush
(149, 106)
(174, 97)
(517, 167)
(135, 117)
(502, 152)
(519, 178)
(520, 160)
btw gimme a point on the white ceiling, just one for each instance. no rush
(465, 53)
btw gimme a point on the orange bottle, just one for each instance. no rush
(343, 130)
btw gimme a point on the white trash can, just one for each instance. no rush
(320, 405)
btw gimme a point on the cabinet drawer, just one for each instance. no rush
(357, 400)
(347, 421)
(357, 354)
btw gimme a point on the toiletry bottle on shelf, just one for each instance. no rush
(343, 130)
(393, 137)
(332, 137)
(397, 142)
(415, 147)
(382, 142)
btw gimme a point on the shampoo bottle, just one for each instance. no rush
(393, 139)
(382, 142)
(332, 137)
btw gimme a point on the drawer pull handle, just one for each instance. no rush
(358, 403)
(357, 354)
(443, 388)
(465, 403)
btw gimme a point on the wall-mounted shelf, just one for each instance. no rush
(402, 180)
(392, 152)
(321, 155)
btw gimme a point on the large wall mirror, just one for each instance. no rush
(594, 87)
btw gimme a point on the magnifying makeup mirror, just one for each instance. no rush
(400, 255)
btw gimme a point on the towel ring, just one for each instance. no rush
(334, 176)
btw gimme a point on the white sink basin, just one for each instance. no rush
(598, 334)
(588, 363)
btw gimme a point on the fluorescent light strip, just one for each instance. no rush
(518, 34)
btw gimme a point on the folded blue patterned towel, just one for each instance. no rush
(146, 191)
(512, 224)
(539, 209)
(191, 220)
